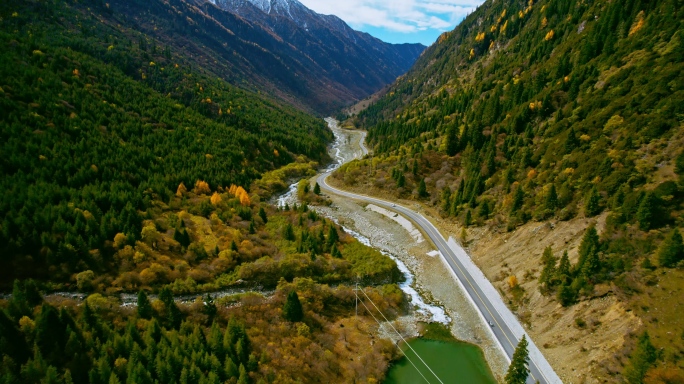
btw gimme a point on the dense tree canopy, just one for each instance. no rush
(98, 121)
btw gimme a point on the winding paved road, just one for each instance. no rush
(506, 328)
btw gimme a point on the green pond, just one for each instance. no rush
(452, 362)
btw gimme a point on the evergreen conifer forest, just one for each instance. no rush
(137, 244)
(549, 111)
(129, 167)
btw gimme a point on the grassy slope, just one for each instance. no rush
(582, 98)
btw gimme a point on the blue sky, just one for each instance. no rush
(398, 21)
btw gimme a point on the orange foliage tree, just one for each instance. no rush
(241, 194)
(216, 198)
(202, 187)
(181, 190)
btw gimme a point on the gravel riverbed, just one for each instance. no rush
(430, 278)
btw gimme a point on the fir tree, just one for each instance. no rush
(551, 201)
(288, 232)
(445, 199)
(333, 237)
(468, 219)
(590, 244)
(592, 205)
(451, 139)
(671, 250)
(563, 271)
(548, 273)
(518, 198)
(262, 215)
(401, 181)
(244, 378)
(422, 189)
(518, 370)
(145, 310)
(646, 212)
(565, 295)
(317, 189)
(640, 361)
(571, 142)
(292, 309)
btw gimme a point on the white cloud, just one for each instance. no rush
(403, 16)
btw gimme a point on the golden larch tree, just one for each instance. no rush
(202, 187)
(181, 191)
(215, 198)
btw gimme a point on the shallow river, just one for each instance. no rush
(456, 362)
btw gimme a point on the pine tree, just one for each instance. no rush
(483, 212)
(317, 189)
(333, 237)
(565, 295)
(145, 310)
(640, 361)
(292, 310)
(671, 250)
(422, 189)
(174, 316)
(445, 199)
(646, 212)
(451, 139)
(548, 273)
(592, 205)
(244, 378)
(230, 368)
(518, 370)
(563, 271)
(518, 199)
(590, 244)
(468, 218)
(551, 201)
(571, 142)
(262, 214)
(401, 181)
(288, 232)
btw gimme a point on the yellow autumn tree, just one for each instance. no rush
(245, 200)
(232, 189)
(215, 198)
(202, 187)
(181, 191)
(512, 281)
(241, 194)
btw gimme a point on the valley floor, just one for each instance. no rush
(579, 354)
(432, 279)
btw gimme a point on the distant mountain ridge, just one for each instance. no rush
(358, 62)
(318, 69)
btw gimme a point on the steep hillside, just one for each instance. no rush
(356, 63)
(547, 111)
(98, 122)
(317, 71)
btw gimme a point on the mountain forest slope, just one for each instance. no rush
(315, 71)
(99, 122)
(355, 62)
(130, 167)
(547, 111)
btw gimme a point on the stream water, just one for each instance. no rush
(452, 362)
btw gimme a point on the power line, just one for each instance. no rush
(406, 356)
(402, 337)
